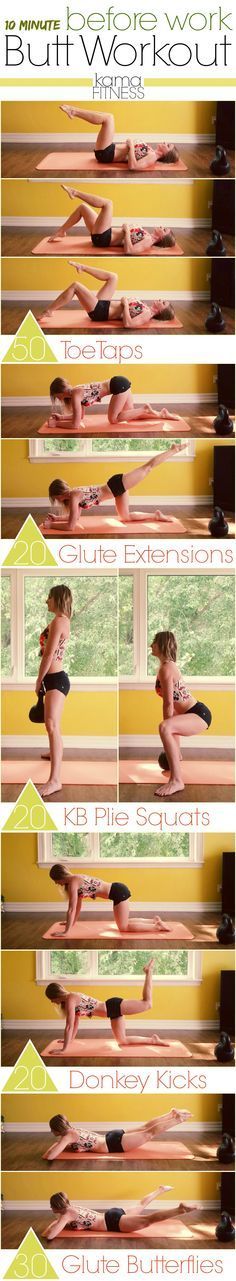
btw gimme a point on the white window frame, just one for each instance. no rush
(86, 452)
(18, 679)
(140, 676)
(44, 974)
(46, 859)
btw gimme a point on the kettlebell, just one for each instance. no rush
(226, 1150)
(217, 526)
(215, 323)
(220, 163)
(162, 761)
(36, 713)
(223, 424)
(216, 247)
(226, 932)
(224, 1050)
(225, 1230)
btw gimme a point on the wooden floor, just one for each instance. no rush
(195, 521)
(209, 794)
(16, 1224)
(19, 243)
(26, 1152)
(24, 423)
(14, 1042)
(21, 160)
(192, 315)
(26, 929)
(69, 795)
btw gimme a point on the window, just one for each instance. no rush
(84, 448)
(108, 848)
(180, 966)
(6, 656)
(199, 608)
(91, 655)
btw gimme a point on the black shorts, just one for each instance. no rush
(114, 1140)
(101, 311)
(112, 1218)
(101, 239)
(113, 1007)
(119, 384)
(119, 892)
(105, 155)
(115, 484)
(200, 709)
(57, 680)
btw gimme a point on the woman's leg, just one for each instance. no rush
(82, 211)
(134, 1222)
(122, 409)
(136, 1007)
(184, 724)
(107, 289)
(152, 1129)
(94, 221)
(121, 917)
(85, 296)
(104, 119)
(53, 705)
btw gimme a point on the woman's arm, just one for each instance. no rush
(127, 242)
(76, 1024)
(51, 645)
(57, 1148)
(70, 1022)
(132, 162)
(167, 693)
(72, 906)
(126, 317)
(57, 1226)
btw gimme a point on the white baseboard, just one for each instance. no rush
(193, 400)
(147, 741)
(98, 745)
(197, 1128)
(184, 224)
(169, 1025)
(71, 138)
(104, 907)
(167, 500)
(38, 1207)
(48, 295)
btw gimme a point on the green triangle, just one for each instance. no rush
(29, 346)
(29, 813)
(35, 1079)
(24, 1263)
(30, 548)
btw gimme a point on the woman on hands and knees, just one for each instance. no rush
(76, 1005)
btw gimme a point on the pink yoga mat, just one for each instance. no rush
(96, 929)
(166, 1228)
(102, 773)
(96, 1046)
(98, 424)
(156, 1151)
(74, 161)
(111, 525)
(76, 319)
(202, 772)
(83, 245)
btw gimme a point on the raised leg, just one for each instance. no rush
(101, 120)
(134, 1222)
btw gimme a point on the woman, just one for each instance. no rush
(121, 407)
(77, 888)
(102, 308)
(53, 679)
(70, 1139)
(181, 713)
(137, 1218)
(74, 1005)
(133, 240)
(136, 155)
(76, 501)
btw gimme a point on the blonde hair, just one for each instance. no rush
(167, 644)
(63, 599)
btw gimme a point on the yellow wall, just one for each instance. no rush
(23, 998)
(170, 274)
(94, 709)
(23, 881)
(105, 1186)
(23, 479)
(180, 200)
(139, 713)
(46, 117)
(174, 378)
(41, 1107)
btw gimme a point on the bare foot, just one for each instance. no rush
(49, 788)
(165, 519)
(182, 1208)
(69, 111)
(164, 413)
(168, 789)
(162, 925)
(181, 1115)
(69, 191)
(46, 315)
(149, 965)
(52, 240)
(77, 265)
(156, 1040)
